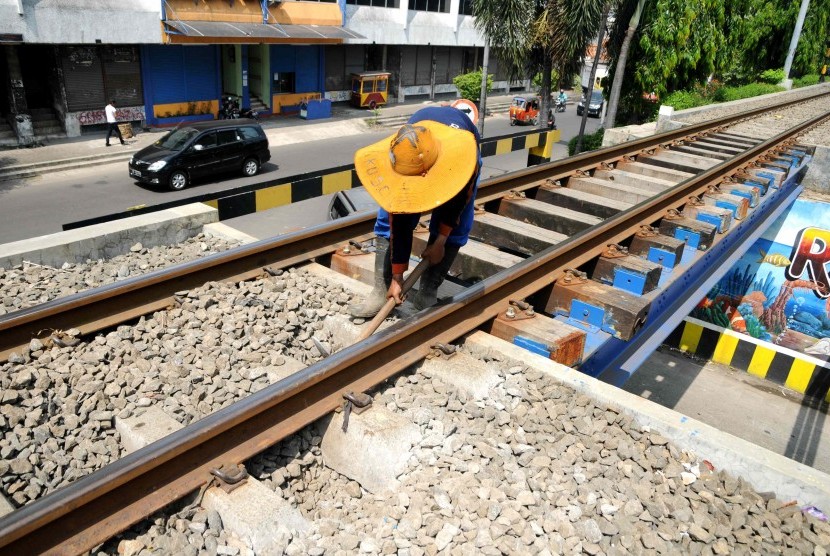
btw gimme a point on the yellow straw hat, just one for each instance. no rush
(419, 168)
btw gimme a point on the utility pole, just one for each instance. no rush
(802, 13)
(482, 102)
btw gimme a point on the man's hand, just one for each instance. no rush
(395, 289)
(434, 253)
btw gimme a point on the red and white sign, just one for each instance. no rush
(468, 107)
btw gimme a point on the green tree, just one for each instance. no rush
(677, 44)
(760, 33)
(469, 84)
(530, 36)
(682, 44)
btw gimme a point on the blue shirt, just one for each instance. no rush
(456, 214)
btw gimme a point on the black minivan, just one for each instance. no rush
(200, 149)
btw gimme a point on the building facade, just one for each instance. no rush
(169, 61)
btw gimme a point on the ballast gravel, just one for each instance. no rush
(532, 469)
(773, 123)
(58, 404)
(30, 284)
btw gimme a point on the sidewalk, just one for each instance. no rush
(90, 149)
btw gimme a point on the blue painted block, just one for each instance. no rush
(762, 186)
(586, 312)
(728, 206)
(743, 194)
(661, 256)
(711, 219)
(532, 345)
(691, 238)
(594, 337)
(629, 281)
(769, 177)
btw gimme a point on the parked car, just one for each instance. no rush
(201, 149)
(594, 107)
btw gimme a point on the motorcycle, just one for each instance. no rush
(249, 113)
(560, 105)
(229, 110)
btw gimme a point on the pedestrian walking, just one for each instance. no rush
(112, 123)
(433, 164)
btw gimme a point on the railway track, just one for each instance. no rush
(547, 229)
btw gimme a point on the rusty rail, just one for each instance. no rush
(110, 305)
(95, 507)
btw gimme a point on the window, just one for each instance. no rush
(283, 82)
(375, 3)
(368, 85)
(382, 85)
(465, 7)
(176, 139)
(206, 141)
(249, 133)
(227, 136)
(442, 6)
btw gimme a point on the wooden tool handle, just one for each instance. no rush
(390, 303)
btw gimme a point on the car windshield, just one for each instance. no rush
(596, 96)
(177, 139)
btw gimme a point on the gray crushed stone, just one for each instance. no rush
(30, 284)
(533, 469)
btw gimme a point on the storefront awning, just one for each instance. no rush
(179, 31)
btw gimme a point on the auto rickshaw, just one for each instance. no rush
(524, 110)
(370, 89)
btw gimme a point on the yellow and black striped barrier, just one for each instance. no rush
(269, 194)
(785, 367)
(298, 189)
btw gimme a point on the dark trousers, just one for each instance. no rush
(114, 127)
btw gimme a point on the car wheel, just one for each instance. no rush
(178, 180)
(512, 121)
(250, 167)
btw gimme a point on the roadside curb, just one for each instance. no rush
(19, 171)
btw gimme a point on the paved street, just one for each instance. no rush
(40, 205)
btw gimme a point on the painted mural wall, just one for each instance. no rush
(779, 291)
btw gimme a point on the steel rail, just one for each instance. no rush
(113, 304)
(94, 508)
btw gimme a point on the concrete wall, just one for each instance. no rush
(104, 241)
(404, 27)
(83, 21)
(677, 119)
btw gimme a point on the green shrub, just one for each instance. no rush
(681, 100)
(536, 82)
(590, 142)
(806, 80)
(726, 94)
(771, 76)
(469, 84)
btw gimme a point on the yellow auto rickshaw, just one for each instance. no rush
(370, 89)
